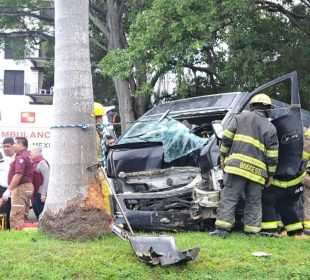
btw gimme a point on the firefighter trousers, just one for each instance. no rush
(20, 198)
(306, 198)
(234, 187)
(283, 201)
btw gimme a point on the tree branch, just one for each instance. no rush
(160, 72)
(24, 34)
(97, 9)
(101, 25)
(26, 29)
(265, 4)
(98, 44)
(306, 3)
(201, 69)
(7, 11)
(293, 17)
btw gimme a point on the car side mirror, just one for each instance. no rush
(218, 129)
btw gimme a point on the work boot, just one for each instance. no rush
(300, 236)
(220, 232)
(307, 232)
(283, 233)
(269, 234)
(250, 233)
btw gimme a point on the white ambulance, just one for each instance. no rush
(25, 116)
(29, 116)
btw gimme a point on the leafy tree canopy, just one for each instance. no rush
(209, 46)
(215, 46)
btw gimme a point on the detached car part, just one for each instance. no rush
(154, 250)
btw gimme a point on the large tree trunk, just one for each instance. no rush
(117, 41)
(125, 102)
(112, 29)
(141, 102)
(74, 207)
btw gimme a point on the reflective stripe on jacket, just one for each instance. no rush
(290, 183)
(250, 145)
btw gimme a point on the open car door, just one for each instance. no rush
(288, 122)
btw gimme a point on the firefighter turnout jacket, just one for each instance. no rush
(290, 181)
(306, 196)
(250, 146)
(306, 183)
(283, 197)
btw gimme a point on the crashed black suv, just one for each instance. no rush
(165, 167)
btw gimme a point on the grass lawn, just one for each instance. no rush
(33, 255)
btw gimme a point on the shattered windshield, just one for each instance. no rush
(175, 136)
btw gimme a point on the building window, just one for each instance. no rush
(14, 48)
(48, 12)
(14, 82)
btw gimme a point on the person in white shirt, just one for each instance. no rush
(5, 161)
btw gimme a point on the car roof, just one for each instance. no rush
(214, 102)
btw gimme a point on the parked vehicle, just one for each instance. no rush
(21, 116)
(30, 116)
(165, 167)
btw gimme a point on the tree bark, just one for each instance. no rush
(141, 102)
(117, 41)
(74, 208)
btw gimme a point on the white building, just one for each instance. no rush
(21, 76)
(23, 101)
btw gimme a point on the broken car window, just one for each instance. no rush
(175, 136)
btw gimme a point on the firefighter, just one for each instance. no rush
(99, 111)
(306, 183)
(282, 197)
(249, 151)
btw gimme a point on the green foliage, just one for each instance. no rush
(210, 46)
(268, 47)
(103, 87)
(239, 43)
(117, 63)
(16, 15)
(16, 48)
(174, 23)
(32, 255)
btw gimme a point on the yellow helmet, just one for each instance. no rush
(307, 134)
(261, 98)
(98, 109)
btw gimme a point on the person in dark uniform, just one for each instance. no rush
(282, 197)
(249, 152)
(5, 161)
(20, 184)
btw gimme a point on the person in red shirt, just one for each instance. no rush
(20, 184)
(41, 171)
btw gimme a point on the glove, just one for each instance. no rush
(222, 162)
(43, 198)
(6, 194)
(269, 181)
